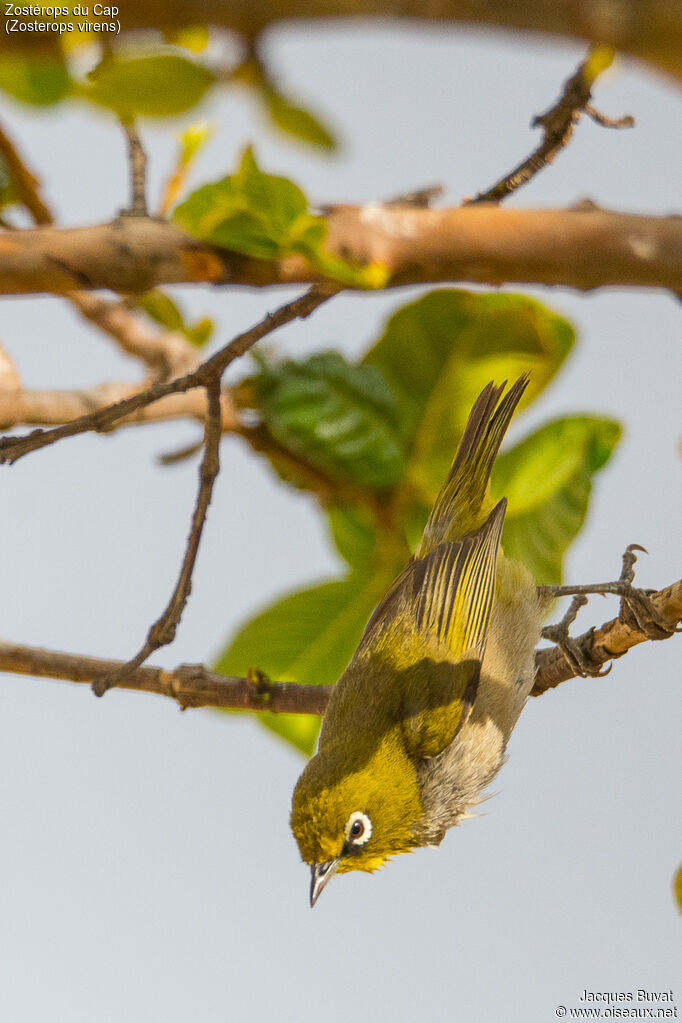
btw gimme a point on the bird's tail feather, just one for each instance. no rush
(459, 505)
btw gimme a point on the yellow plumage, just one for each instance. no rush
(418, 723)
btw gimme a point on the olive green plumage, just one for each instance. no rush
(418, 724)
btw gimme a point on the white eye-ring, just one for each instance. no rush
(358, 829)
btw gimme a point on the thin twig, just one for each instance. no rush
(26, 184)
(603, 121)
(180, 454)
(558, 124)
(137, 158)
(163, 630)
(193, 685)
(13, 448)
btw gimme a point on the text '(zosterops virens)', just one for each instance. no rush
(418, 724)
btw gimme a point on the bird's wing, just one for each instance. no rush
(431, 629)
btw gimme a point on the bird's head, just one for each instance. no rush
(355, 814)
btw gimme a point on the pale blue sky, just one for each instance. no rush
(149, 872)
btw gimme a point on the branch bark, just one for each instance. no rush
(579, 248)
(192, 685)
(26, 407)
(166, 353)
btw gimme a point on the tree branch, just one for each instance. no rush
(193, 685)
(484, 244)
(103, 419)
(162, 632)
(208, 375)
(26, 407)
(558, 124)
(26, 184)
(137, 158)
(166, 353)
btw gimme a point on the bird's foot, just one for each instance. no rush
(576, 657)
(636, 607)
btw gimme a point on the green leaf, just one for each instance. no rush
(161, 308)
(200, 332)
(439, 352)
(284, 114)
(248, 212)
(278, 201)
(337, 416)
(353, 531)
(41, 81)
(547, 480)
(266, 216)
(296, 121)
(308, 637)
(158, 86)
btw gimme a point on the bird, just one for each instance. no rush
(418, 724)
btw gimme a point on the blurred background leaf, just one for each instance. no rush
(161, 308)
(286, 115)
(296, 121)
(162, 85)
(354, 533)
(439, 352)
(547, 480)
(249, 211)
(307, 637)
(267, 216)
(338, 416)
(39, 81)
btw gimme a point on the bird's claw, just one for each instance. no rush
(577, 659)
(637, 610)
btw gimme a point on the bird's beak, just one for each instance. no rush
(321, 873)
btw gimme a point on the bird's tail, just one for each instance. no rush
(459, 507)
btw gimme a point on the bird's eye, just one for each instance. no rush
(358, 829)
